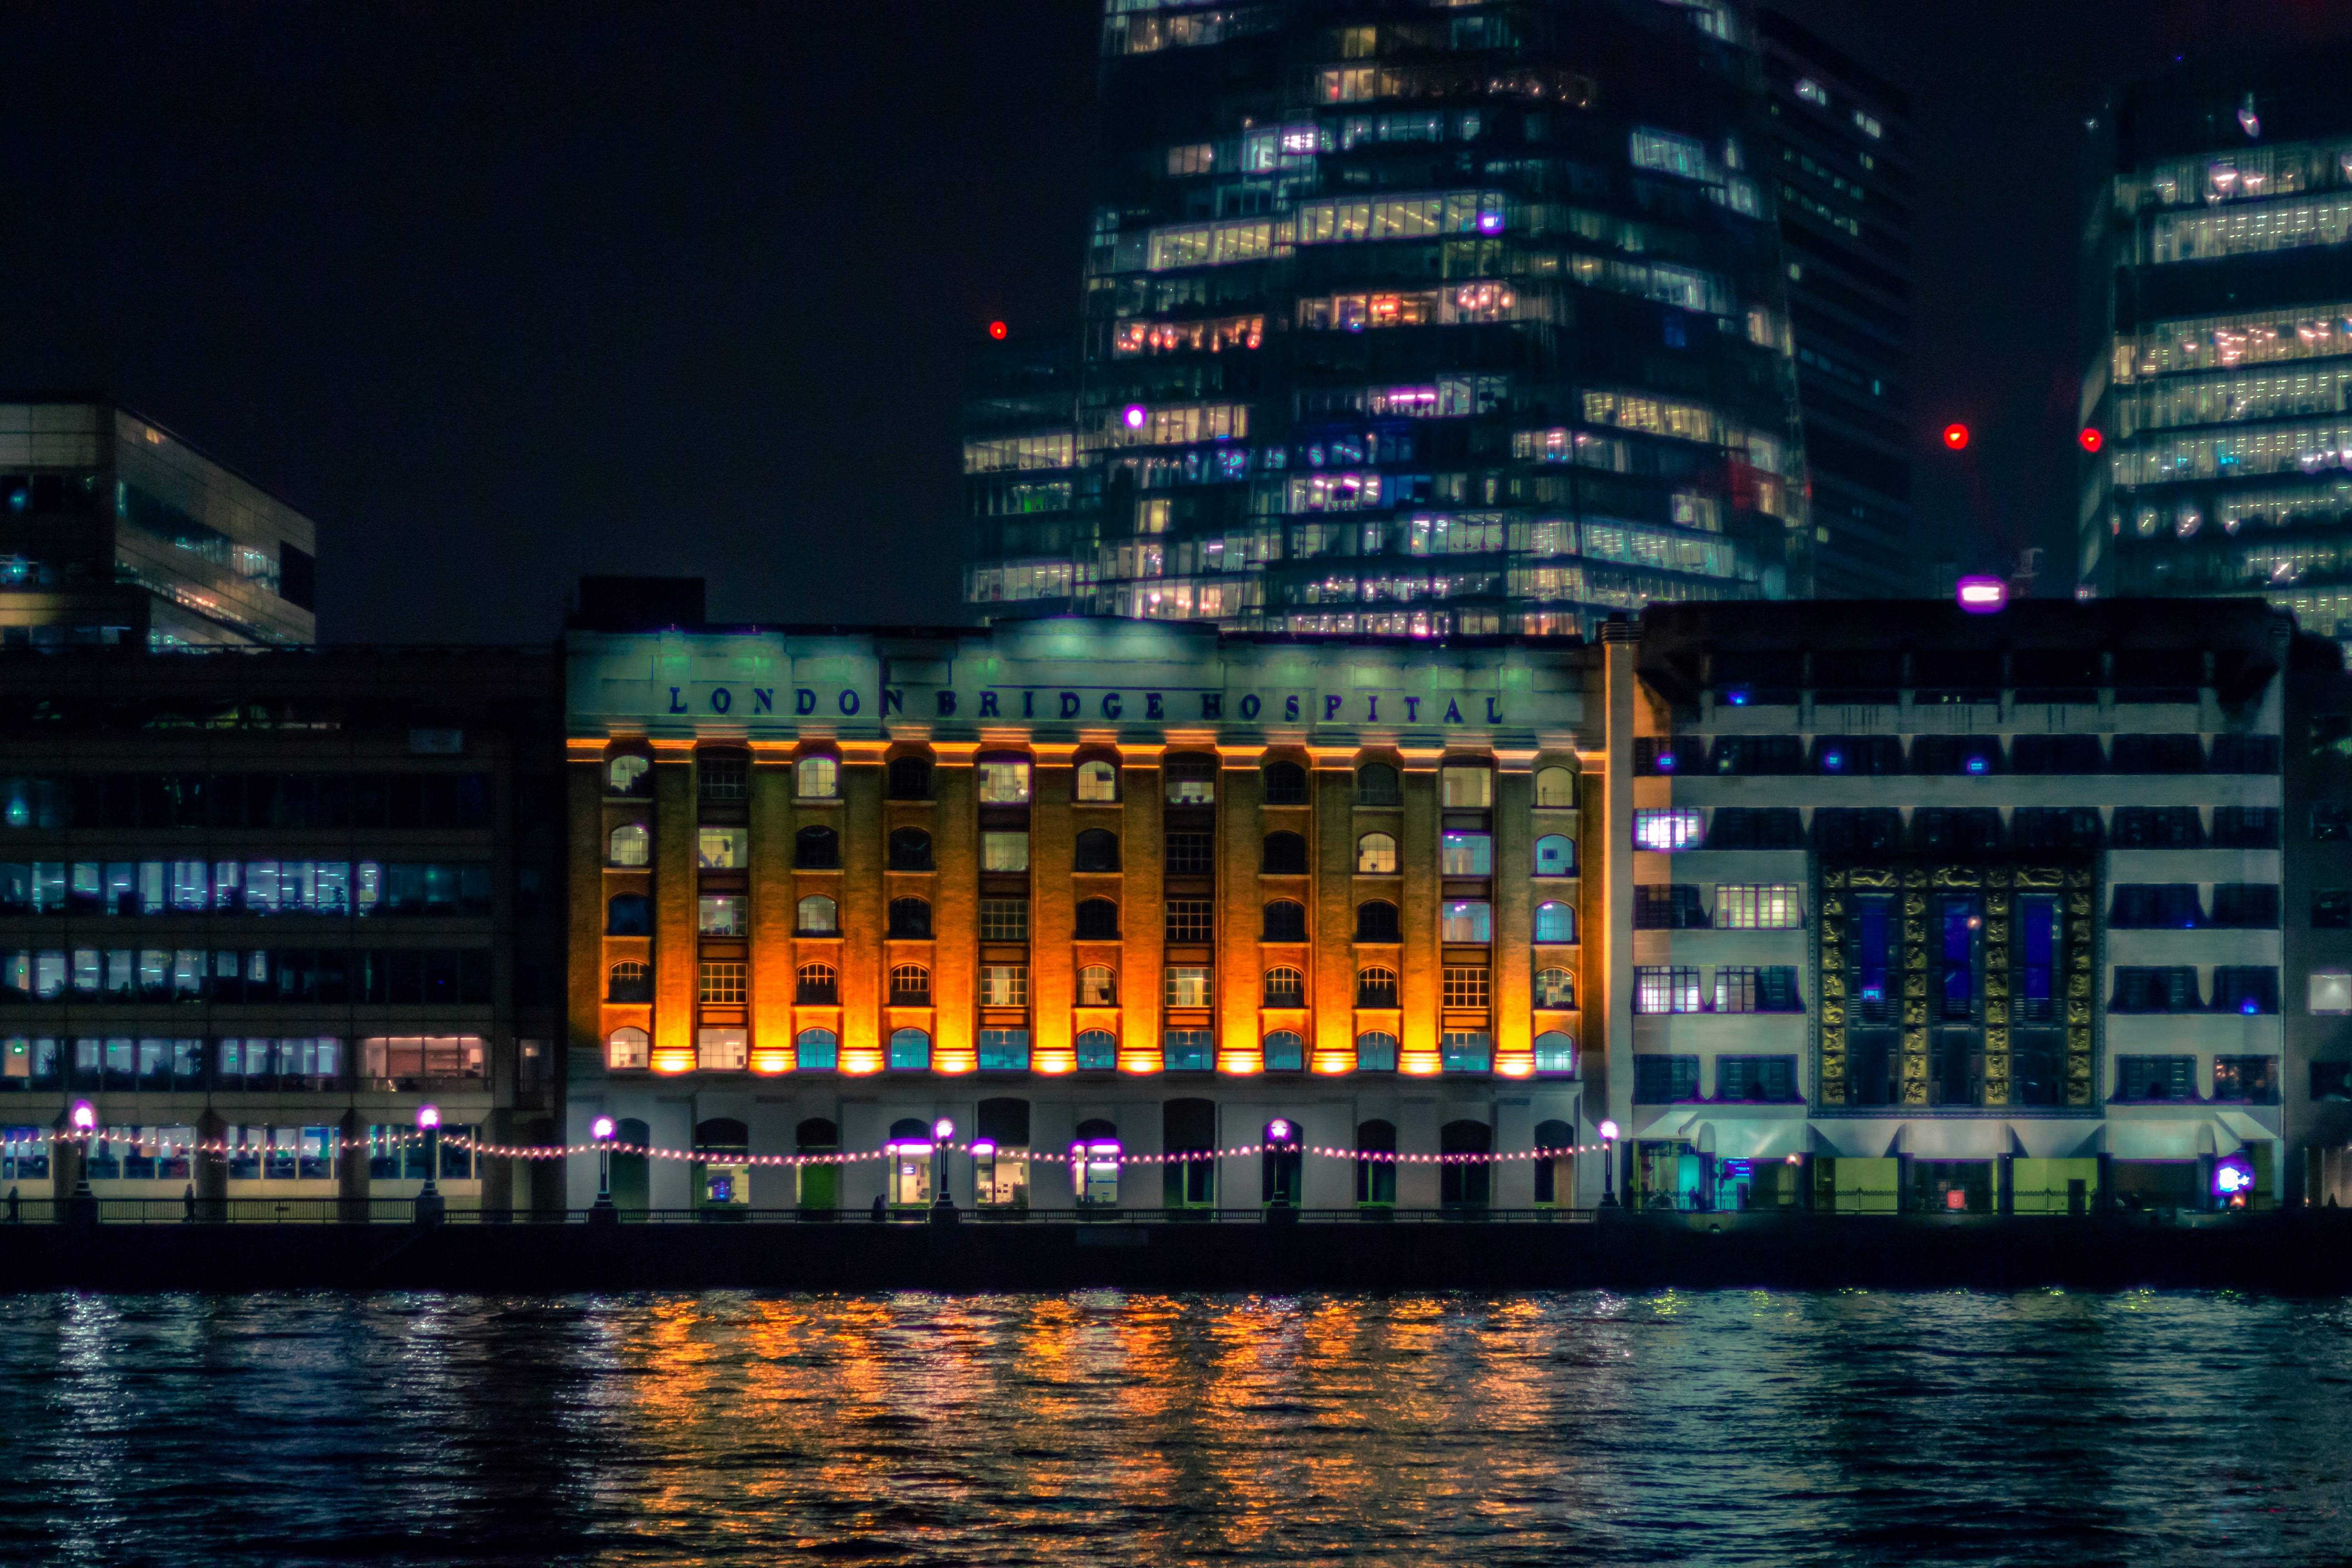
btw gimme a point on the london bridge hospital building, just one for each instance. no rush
(1855, 907)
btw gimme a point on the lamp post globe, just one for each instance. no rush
(602, 1130)
(82, 1206)
(429, 1203)
(1608, 1130)
(942, 1205)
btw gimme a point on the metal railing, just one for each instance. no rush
(403, 1211)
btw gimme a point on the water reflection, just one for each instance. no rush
(1100, 1429)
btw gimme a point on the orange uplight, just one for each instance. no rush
(2091, 439)
(1956, 436)
(996, 330)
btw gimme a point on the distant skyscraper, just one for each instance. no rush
(1412, 324)
(2220, 295)
(114, 531)
(1841, 160)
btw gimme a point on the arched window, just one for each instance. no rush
(1554, 990)
(1376, 855)
(1376, 988)
(911, 849)
(1465, 1183)
(1376, 785)
(1553, 1140)
(1375, 1177)
(910, 1051)
(631, 983)
(1286, 855)
(628, 1048)
(1286, 921)
(626, 775)
(1285, 1052)
(817, 987)
(1376, 1051)
(910, 986)
(1556, 1053)
(1098, 987)
(1097, 1050)
(1555, 921)
(817, 916)
(1094, 1164)
(1554, 855)
(1555, 788)
(817, 1135)
(819, 1051)
(1096, 850)
(1097, 919)
(1286, 987)
(911, 778)
(1376, 922)
(1098, 781)
(1286, 784)
(722, 1135)
(631, 845)
(629, 914)
(910, 918)
(816, 850)
(816, 778)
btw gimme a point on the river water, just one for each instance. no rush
(1113, 1429)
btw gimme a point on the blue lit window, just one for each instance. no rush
(1284, 1052)
(910, 1051)
(819, 1050)
(1674, 828)
(1001, 1050)
(1097, 1050)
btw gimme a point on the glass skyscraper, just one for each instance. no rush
(1454, 318)
(113, 531)
(2220, 293)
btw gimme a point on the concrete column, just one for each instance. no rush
(669, 1183)
(1416, 1125)
(955, 910)
(1513, 951)
(861, 895)
(211, 1166)
(352, 1180)
(1331, 915)
(1053, 906)
(1143, 909)
(677, 947)
(1417, 977)
(498, 1175)
(773, 967)
(1513, 1183)
(1241, 833)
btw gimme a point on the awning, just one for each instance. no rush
(2163, 1140)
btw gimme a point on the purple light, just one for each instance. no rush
(1982, 596)
(1278, 1130)
(602, 1128)
(1135, 414)
(2232, 1176)
(1666, 764)
(1490, 223)
(1832, 761)
(428, 1116)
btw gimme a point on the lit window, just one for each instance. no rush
(723, 848)
(1097, 782)
(1004, 985)
(1462, 920)
(1468, 788)
(723, 1050)
(817, 916)
(1376, 1051)
(723, 916)
(1284, 1052)
(1005, 920)
(1004, 781)
(1004, 852)
(1187, 988)
(1098, 987)
(818, 1050)
(2331, 991)
(910, 1050)
(628, 1048)
(625, 775)
(1192, 784)
(1376, 855)
(1554, 990)
(1465, 987)
(1554, 855)
(1285, 988)
(632, 844)
(1467, 854)
(1812, 91)
(1868, 124)
(816, 778)
(1665, 990)
(1556, 1054)
(1097, 1050)
(1555, 789)
(723, 983)
(1769, 907)
(1674, 827)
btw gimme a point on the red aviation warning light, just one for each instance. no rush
(996, 330)
(1956, 436)
(2091, 439)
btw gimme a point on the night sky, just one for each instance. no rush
(501, 294)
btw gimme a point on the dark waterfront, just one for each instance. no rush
(1723, 1427)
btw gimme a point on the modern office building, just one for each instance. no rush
(113, 531)
(1414, 323)
(259, 908)
(1841, 160)
(1902, 908)
(2219, 308)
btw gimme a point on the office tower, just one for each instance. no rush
(114, 531)
(260, 909)
(1416, 323)
(1840, 160)
(2218, 298)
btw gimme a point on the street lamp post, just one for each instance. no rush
(429, 1204)
(1608, 1165)
(943, 1209)
(602, 1129)
(81, 1209)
